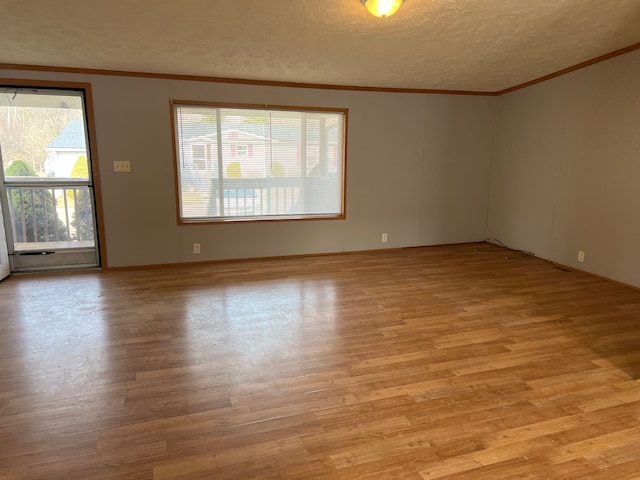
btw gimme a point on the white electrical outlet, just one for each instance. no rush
(580, 256)
(384, 238)
(196, 248)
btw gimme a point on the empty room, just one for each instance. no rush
(320, 239)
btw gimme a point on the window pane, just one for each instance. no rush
(43, 135)
(237, 163)
(53, 216)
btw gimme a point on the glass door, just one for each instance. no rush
(47, 189)
(4, 254)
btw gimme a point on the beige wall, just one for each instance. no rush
(566, 169)
(418, 168)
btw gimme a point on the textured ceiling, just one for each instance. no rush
(474, 45)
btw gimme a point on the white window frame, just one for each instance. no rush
(242, 150)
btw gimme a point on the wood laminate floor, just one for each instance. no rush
(427, 363)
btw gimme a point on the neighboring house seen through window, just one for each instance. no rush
(258, 163)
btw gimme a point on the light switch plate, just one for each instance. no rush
(122, 166)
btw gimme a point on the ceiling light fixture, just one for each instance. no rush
(382, 8)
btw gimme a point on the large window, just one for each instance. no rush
(258, 163)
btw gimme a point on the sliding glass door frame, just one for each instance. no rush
(93, 183)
